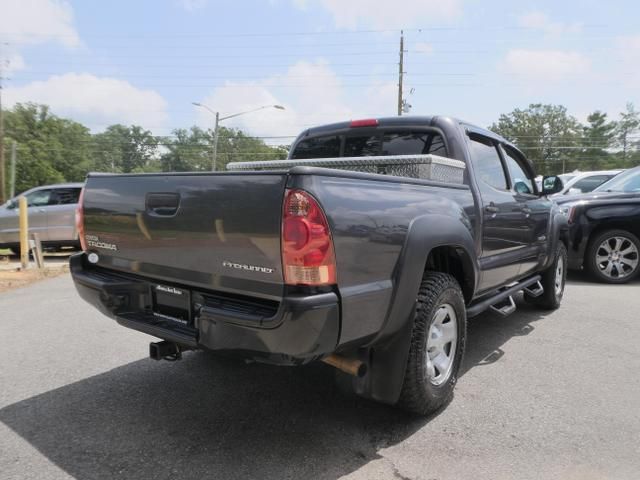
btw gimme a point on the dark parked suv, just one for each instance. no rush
(605, 229)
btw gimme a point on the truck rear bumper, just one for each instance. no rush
(302, 328)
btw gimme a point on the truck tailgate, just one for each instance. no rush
(211, 231)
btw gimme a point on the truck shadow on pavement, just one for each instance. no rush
(214, 417)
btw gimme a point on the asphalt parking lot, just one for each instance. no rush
(542, 395)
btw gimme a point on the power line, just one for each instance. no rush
(292, 33)
(262, 77)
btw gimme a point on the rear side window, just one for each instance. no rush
(588, 184)
(487, 164)
(64, 196)
(318, 147)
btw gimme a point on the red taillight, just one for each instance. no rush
(367, 122)
(307, 249)
(80, 221)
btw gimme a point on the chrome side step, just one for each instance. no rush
(534, 290)
(505, 307)
(495, 302)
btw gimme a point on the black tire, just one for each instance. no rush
(591, 263)
(551, 298)
(419, 393)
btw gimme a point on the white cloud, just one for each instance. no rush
(383, 14)
(193, 5)
(534, 66)
(95, 101)
(310, 92)
(38, 21)
(540, 21)
(629, 50)
(423, 47)
(13, 62)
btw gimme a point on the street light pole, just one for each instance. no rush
(214, 147)
(215, 143)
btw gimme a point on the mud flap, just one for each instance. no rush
(387, 363)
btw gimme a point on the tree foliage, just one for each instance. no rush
(53, 149)
(125, 150)
(556, 142)
(628, 130)
(547, 134)
(598, 139)
(191, 150)
(50, 149)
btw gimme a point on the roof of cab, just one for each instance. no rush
(407, 120)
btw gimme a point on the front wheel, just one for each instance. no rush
(553, 281)
(437, 345)
(613, 256)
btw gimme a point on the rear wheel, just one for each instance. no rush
(613, 256)
(437, 345)
(553, 281)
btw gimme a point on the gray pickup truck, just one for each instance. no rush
(371, 266)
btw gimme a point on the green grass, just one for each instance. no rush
(4, 251)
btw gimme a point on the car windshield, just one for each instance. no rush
(627, 182)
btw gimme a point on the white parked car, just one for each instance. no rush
(51, 210)
(584, 182)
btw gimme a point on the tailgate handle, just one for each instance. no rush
(163, 204)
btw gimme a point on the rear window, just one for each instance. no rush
(412, 143)
(365, 146)
(318, 147)
(372, 144)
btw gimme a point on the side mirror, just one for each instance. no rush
(551, 184)
(11, 204)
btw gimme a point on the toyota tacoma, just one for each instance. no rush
(372, 265)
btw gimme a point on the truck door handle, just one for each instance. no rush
(162, 204)
(491, 208)
(526, 211)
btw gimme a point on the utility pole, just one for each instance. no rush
(3, 193)
(3, 186)
(400, 74)
(12, 175)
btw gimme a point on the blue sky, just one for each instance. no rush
(144, 62)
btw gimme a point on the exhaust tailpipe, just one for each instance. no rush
(351, 366)
(165, 351)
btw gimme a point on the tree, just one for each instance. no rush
(125, 149)
(598, 140)
(188, 150)
(546, 133)
(191, 150)
(50, 149)
(235, 146)
(627, 126)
